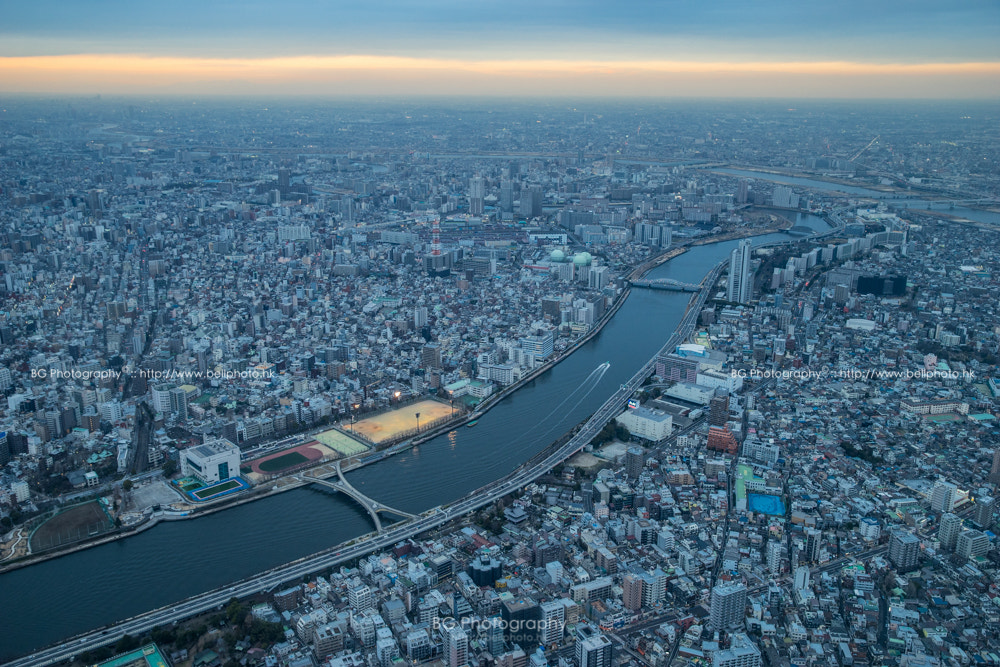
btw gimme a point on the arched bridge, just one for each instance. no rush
(373, 507)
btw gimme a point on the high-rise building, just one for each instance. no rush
(783, 197)
(419, 317)
(742, 191)
(531, 201)
(722, 440)
(728, 606)
(718, 410)
(477, 193)
(506, 196)
(948, 530)
(592, 648)
(775, 552)
(972, 544)
(986, 508)
(327, 640)
(491, 630)
(456, 646)
(904, 549)
(943, 496)
(360, 596)
(553, 622)
(161, 398)
(635, 458)
(521, 619)
(742, 652)
(814, 542)
(740, 276)
(632, 592)
(995, 470)
(430, 356)
(675, 368)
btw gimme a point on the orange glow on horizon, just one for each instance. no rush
(120, 73)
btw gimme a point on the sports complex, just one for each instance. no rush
(395, 423)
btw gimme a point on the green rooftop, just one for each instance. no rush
(147, 656)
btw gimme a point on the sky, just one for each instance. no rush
(629, 48)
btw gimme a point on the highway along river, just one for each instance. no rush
(43, 603)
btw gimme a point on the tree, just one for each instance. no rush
(263, 632)
(235, 612)
(163, 635)
(169, 468)
(126, 643)
(127, 485)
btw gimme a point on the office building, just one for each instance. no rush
(360, 596)
(506, 196)
(492, 632)
(484, 570)
(161, 398)
(531, 201)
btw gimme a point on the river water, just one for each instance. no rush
(63, 597)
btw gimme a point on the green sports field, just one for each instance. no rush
(287, 460)
(345, 445)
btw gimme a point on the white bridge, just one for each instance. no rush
(373, 507)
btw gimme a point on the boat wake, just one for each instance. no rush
(588, 384)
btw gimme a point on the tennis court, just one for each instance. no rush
(343, 444)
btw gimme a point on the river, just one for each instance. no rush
(78, 592)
